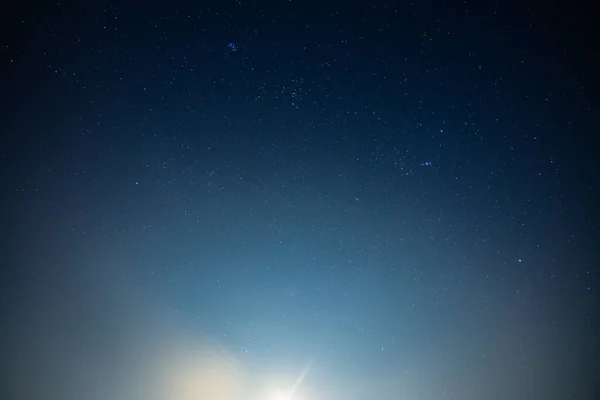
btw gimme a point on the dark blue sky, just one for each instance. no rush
(375, 201)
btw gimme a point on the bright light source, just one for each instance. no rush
(293, 390)
(279, 395)
(283, 395)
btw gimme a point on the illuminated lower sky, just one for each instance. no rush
(343, 201)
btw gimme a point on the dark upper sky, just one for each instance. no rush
(346, 201)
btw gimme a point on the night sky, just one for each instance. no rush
(295, 200)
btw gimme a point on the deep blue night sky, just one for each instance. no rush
(330, 200)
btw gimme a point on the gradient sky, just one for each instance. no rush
(374, 201)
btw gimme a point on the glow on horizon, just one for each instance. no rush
(291, 393)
